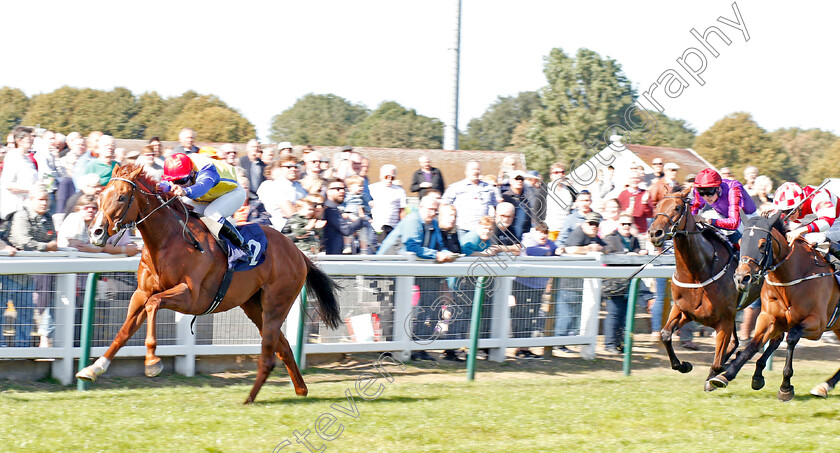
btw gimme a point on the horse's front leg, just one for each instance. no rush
(174, 297)
(764, 331)
(758, 377)
(134, 319)
(722, 351)
(676, 319)
(786, 390)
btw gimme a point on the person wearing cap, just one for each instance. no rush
(284, 148)
(584, 238)
(253, 164)
(812, 214)
(664, 185)
(427, 178)
(210, 187)
(186, 138)
(520, 197)
(583, 206)
(658, 169)
(726, 197)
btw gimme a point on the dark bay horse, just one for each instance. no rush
(174, 274)
(702, 288)
(800, 296)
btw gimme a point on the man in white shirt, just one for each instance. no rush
(472, 198)
(280, 193)
(387, 207)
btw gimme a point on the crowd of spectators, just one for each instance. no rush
(49, 186)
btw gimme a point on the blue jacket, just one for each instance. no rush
(408, 236)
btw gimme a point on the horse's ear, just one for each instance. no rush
(685, 192)
(135, 172)
(115, 171)
(776, 220)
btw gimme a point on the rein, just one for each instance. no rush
(122, 229)
(768, 258)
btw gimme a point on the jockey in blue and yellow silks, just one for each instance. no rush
(210, 187)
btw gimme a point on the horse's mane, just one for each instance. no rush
(142, 178)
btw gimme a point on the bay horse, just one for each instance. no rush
(179, 276)
(702, 288)
(800, 296)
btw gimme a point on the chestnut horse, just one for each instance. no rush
(800, 296)
(702, 288)
(177, 275)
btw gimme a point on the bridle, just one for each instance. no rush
(766, 266)
(120, 229)
(674, 231)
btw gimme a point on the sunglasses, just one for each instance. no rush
(181, 181)
(289, 166)
(593, 223)
(558, 172)
(707, 192)
(519, 178)
(626, 224)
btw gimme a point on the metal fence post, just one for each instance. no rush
(65, 316)
(475, 327)
(629, 324)
(300, 336)
(87, 327)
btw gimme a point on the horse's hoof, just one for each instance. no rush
(821, 390)
(685, 367)
(303, 391)
(709, 387)
(248, 401)
(154, 369)
(757, 382)
(86, 374)
(785, 396)
(719, 381)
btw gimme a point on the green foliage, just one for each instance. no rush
(318, 119)
(215, 124)
(150, 121)
(585, 96)
(737, 141)
(670, 132)
(70, 109)
(811, 151)
(493, 131)
(393, 126)
(13, 106)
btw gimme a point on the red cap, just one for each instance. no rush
(707, 178)
(177, 166)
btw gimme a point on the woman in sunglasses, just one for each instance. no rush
(210, 187)
(726, 196)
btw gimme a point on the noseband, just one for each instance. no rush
(674, 231)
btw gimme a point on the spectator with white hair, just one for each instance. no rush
(253, 164)
(750, 175)
(148, 159)
(388, 203)
(426, 178)
(104, 164)
(472, 197)
(227, 153)
(280, 193)
(763, 193)
(186, 138)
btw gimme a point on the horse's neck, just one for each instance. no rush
(157, 230)
(791, 268)
(694, 253)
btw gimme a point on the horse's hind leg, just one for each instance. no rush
(786, 392)
(676, 319)
(822, 390)
(758, 377)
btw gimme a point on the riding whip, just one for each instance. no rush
(641, 268)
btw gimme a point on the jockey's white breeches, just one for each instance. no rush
(221, 207)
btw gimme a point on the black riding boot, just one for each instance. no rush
(230, 232)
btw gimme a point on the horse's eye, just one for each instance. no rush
(121, 199)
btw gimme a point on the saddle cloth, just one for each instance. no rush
(254, 237)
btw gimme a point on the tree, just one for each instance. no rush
(53, 110)
(393, 126)
(318, 119)
(737, 141)
(823, 166)
(806, 147)
(585, 95)
(13, 107)
(670, 132)
(215, 124)
(493, 131)
(150, 121)
(70, 109)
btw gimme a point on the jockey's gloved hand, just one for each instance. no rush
(700, 219)
(164, 186)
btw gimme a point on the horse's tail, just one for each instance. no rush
(324, 288)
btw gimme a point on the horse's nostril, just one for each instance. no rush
(97, 232)
(655, 233)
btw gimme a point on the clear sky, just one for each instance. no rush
(261, 56)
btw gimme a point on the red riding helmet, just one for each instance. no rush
(176, 167)
(707, 178)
